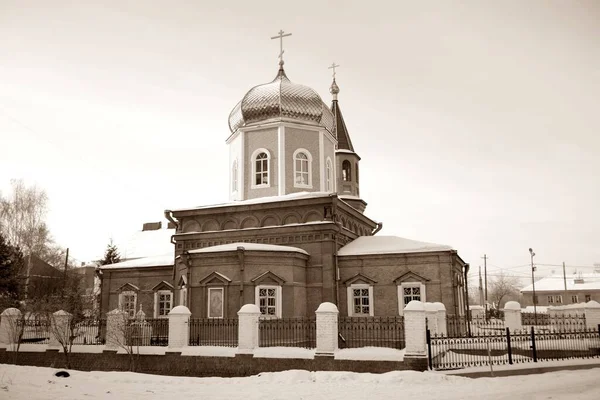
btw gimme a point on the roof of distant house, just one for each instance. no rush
(589, 281)
(154, 261)
(365, 245)
(146, 244)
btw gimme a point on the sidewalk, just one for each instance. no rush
(524, 368)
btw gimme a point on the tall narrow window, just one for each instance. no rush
(127, 302)
(360, 300)
(302, 168)
(356, 171)
(268, 300)
(328, 175)
(261, 169)
(234, 177)
(163, 302)
(215, 303)
(346, 171)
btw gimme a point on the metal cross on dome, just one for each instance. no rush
(333, 66)
(280, 36)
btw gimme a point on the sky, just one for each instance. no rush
(477, 122)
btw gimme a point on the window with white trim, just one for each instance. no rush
(234, 176)
(128, 302)
(302, 168)
(268, 300)
(328, 175)
(360, 300)
(346, 171)
(261, 169)
(215, 302)
(409, 291)
(574, 299)
(555, 299)
(163, 303)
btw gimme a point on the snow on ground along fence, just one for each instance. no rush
(492, 346)
(371, 332)
(288, 332)
(213, 332)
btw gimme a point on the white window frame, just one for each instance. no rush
(122, 301)
(208, 303)
(558, 299)
(278, 299)
(329, 175)
(401, 287)
(234, 176)
(576, 297)
(157, 295)
(308, 172)
(253, 160)
(350, 296)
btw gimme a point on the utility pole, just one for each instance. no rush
(65, 272)
(533, 284)
(480, 289)
(565, 280)
(485, 278)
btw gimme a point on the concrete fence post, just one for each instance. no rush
(432, 320)
(9, 326)
(441, 318)
(179, 327)
(512, 316)
(327, 329)
(248, 328)
(59, 329)
(116, 329)
(592, 314)
(415, 355)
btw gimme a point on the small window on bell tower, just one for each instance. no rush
(346, 171)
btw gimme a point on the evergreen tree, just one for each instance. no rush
(111, 255)
(11, 265)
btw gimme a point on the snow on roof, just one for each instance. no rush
(154, 261)
(260, 200)
(388, 245)
(345, 151)
(246, 246)
(147, 244)
(589, 281)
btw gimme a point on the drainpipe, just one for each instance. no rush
(240, 253)
(467, 299)
(169, 217)
(336, 276)
(378, 228)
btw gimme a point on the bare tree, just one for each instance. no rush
(125, 334)
(501, 287)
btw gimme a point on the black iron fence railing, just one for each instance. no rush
(288, 332)
(214, 332)
(85, 332)
(148, 332)
(554, 322)
(371, 332)
(34, 330)
(92, 332)
(506, 347)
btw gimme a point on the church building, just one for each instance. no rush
(294, 233)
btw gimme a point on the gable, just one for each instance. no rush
(215, 278)
(128, 287)
(359, 278)
(410, 276)
(164, 285)
(268, 278)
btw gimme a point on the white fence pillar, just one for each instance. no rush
(248, 329)
(432, 320)
(116, 329)
(441, 318)
(179, 327)
(9, 326)
(592, 314)
(512, 316)
(414, 330)
(327, 329)
(59, 329)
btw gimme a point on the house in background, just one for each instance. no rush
(294, 233)
(550, 291)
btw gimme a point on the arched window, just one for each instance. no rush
(328, 173)
(302, 169)
(260, 168)
(234, 176)
(346, 171)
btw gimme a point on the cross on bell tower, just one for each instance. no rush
(280, 36)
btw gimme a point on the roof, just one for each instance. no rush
(146, 244)
(261, 200)
(154, 261)
(366, 245)
(247, 247)
(591, 281)
(343, 137)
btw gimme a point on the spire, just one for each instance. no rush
(343, 137)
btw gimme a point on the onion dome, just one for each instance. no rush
(281, 100)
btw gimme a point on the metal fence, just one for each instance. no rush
(556, 322)
(288, 332)
(86, 332)
(35, 330)
(148, 332)
(213, 332)
(371, 331)
(494, 347)
(89, 332)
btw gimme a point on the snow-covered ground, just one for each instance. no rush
(33, 383)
